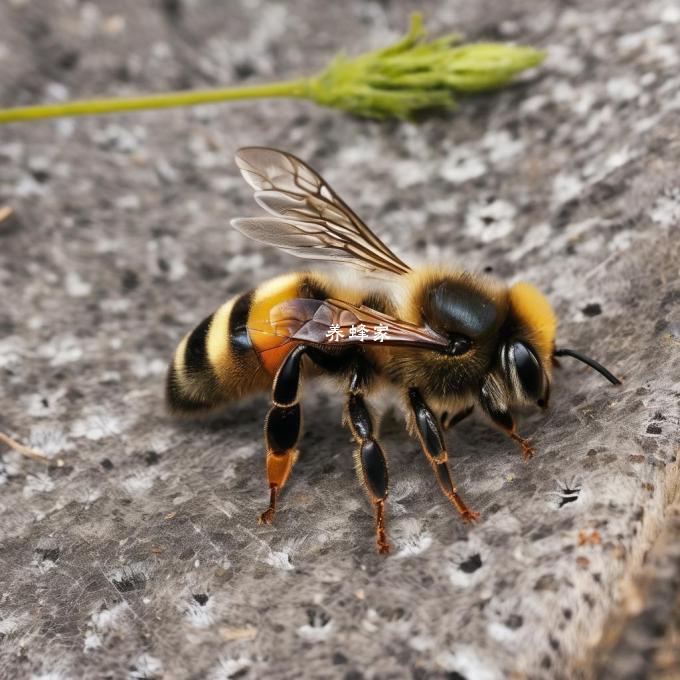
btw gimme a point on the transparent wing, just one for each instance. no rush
(334, 322)
(308, 218)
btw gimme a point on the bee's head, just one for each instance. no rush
(499, 339)
(527, 350)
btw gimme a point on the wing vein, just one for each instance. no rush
(308, 219)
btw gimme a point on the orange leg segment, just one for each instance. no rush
(524, 444)
(279, 466)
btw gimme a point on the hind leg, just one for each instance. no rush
(282, 428)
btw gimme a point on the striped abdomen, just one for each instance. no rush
(232, 352)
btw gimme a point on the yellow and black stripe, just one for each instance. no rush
(215, 363)
(233, 352)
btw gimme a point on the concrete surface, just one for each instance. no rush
(141, 556)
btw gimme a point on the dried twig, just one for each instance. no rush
(28, 452)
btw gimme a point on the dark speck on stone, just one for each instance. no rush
(547, 582)
(654, 429)
(68, 60)
(106, 464)
(568, 495)
(40, 175)
(243, 70)
(129, 280)
(455, 675)
(339, 658)
(186, 554)
(592, 309)
(201, 598)
(151, 458)
(173, 9)
(210, 272)
(74, 394)
(300, 120)
(471, 564)
(48, 554)
(514, 621)
(354, 675)
(130, 581)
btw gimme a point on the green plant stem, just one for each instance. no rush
(290, 88)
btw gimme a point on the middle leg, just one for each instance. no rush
(432, 441)
(370, 462)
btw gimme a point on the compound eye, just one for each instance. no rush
(523, 363)
(459, 345)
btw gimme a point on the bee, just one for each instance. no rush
(446, 340)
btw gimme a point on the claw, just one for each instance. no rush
(267, 517)
(525, 445)
(470, 516)
(384, 548)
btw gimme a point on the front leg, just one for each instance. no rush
(503, 418)
(282, 428)
(433, 445)
(370, 462)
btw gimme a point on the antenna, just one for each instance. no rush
(590, 362)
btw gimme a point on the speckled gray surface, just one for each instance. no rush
(141, 557)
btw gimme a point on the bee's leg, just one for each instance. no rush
(370, 462)
(524, 444)
(434, 447)
(503, 418)
(449, 420)
(282, 428)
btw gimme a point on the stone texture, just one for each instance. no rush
(141, 556)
